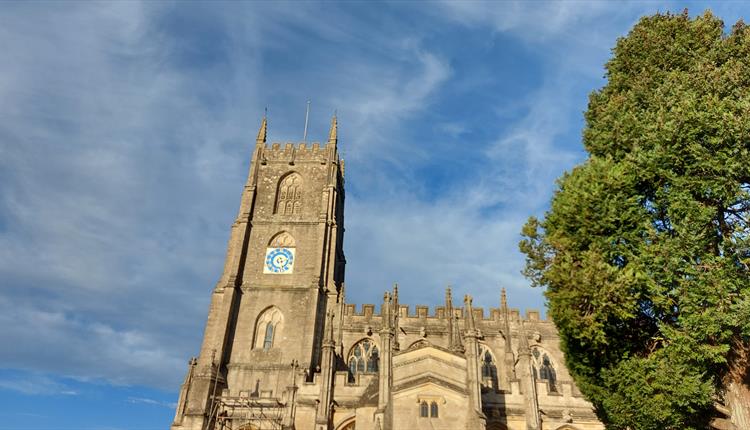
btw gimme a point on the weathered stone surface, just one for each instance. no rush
(281, 349)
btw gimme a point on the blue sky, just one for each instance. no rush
(125, 135)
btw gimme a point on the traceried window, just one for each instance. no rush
(434, 410)
(282, 240)
(289, 195)
(267, 328)
(489, 368)
(543, 368)
(363, 358)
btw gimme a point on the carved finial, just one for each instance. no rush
(394, 298)
(469, 312)
(523, 340)
(333, 133)
(454, 338)
(261, 139)
(506, 322)
(395, 314)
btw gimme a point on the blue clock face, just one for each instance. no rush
(279, 260)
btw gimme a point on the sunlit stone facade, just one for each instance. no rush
(283, 350)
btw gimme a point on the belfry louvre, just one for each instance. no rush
(283, 350)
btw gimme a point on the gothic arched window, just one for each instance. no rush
(423, 411)
(282, 240)
(489, 368)
(267, 328)
(543, 369)
(363, 358)
(289, 195)
(433, 410)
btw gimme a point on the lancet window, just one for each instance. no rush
(267, 328)
(543, 368)
(489, 368)
(289, 195)
(428, 410)
(363, 358)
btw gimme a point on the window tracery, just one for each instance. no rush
(267, 328)
(268, 339)
(543, 368)
(363, 358)
(489, 367)
(282, 240)
(289, 195)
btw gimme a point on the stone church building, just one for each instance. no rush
(282, 349)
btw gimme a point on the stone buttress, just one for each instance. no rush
(282, 349)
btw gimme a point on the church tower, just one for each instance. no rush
(270, 323)
(281, 350)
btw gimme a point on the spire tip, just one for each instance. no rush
(333, 133)
(263, 129)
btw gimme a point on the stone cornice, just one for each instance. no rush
(426, 380)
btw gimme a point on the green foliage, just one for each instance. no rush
(645, 251)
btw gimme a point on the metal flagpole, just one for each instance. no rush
(307, 115)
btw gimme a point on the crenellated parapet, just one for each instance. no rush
(406, 312)
(282, 348)
(295, 152)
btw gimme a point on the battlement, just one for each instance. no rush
(291, 152)
(439, 312)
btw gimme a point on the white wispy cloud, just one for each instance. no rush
(36, 384)
(537, 22)
(118, 174)
(468, 236)
(147, 401)
(125, 132)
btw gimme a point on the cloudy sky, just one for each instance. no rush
(125, 135)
